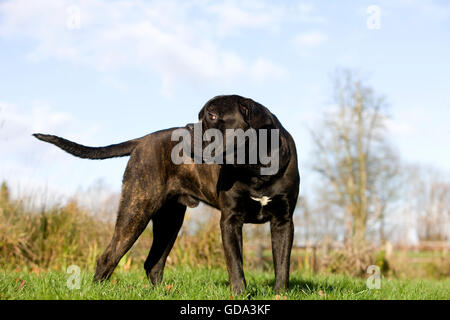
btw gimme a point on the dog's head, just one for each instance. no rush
(234, 112)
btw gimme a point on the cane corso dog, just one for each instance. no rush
(155, 188)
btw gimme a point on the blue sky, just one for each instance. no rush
(100, 72)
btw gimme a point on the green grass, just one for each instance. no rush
(203, 283)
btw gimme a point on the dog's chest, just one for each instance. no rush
(264, 200)
(256, 208)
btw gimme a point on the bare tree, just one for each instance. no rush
(429, 199)
(351, 154)
(316, 223)
(4, 192)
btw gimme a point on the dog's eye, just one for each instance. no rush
(212, 116)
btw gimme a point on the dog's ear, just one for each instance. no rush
(244, 108)
(255, 115)
(201, 114)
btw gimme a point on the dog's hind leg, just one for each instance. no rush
(132, 220)
(166, 225)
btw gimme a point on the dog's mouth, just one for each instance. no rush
(198, 143)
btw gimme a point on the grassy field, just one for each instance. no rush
(37, 245)
(187, 283)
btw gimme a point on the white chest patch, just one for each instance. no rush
(263, 200)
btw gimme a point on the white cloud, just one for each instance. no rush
(307, 13)
(438, 11)
(232, 17)
(399, 127)
(17, 125)
(179, 40)
(15, 122)
(31, 164)
(310, 39)
(434, 10)
(263, 69)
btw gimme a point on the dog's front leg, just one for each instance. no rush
(282, 232)
(231, 228)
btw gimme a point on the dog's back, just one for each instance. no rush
(150, 163)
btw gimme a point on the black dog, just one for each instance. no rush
(156, 188)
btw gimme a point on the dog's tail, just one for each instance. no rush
(78, 150)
